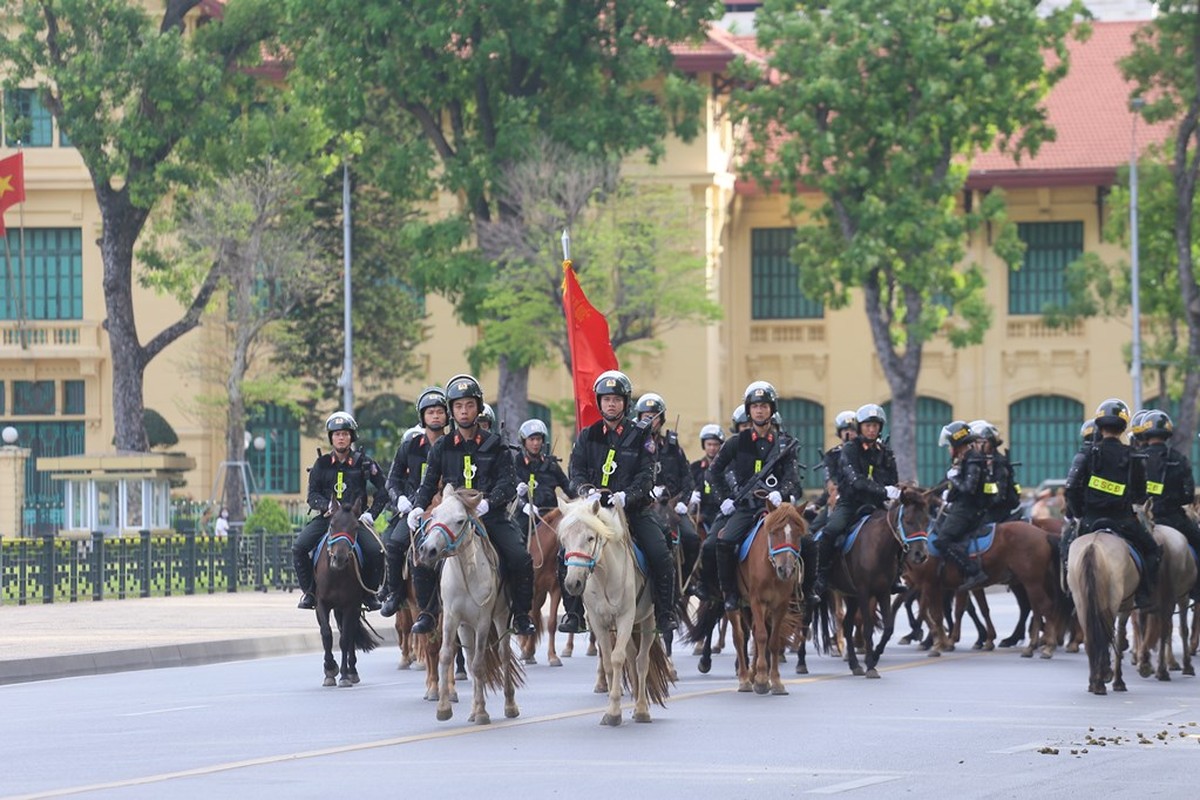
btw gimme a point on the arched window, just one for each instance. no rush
(932, 415)
(1044, 436)
(805, 420)
(276, 467)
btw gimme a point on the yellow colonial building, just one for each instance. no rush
(1034, 381)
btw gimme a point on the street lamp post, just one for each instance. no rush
(1134, 267)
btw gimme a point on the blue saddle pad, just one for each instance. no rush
(849, 540)
(1137, 558)
(1195, 557)
(977, 545)
(744, 550)
(639, 557)
(358, 554)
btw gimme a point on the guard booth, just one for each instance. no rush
(116, 494)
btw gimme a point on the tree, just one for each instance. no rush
(633, 248)
(880, 106)
(480, 81)
(138, 100)
(1165, 70)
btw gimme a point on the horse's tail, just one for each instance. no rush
(1101, 621)
(1062, 599)
(496, 660)
(823, 624)
(658, 674)
(709, 613)
(366, 638)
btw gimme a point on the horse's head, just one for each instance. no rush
(450, 524)
(583, 530)
(343, 533)
(912, 523)
(784, 528)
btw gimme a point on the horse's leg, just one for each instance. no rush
(507, 658)
(330, 665)
(1023, 616)
(1166, 630)
(460, 663)
(616, 659)
(914, 625)
(848, 621)
(1119, 646)
(552, 627)
(723, 628)
(349, 635)
(932, 601)
(973, 613)
(668, 639)
(987, 637)
(476, 651)
(446, 663)
(1183, 637)
(1194, 644)
(775, 629)
(645, 640)
(889, 624)
(591, 650)
(764, 647)
(738, 634)
(569, 649)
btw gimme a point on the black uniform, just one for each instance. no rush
(618, 460)
(403, 480)
(741, 459)
(672, 471)
(1170, 486)
(968, 501)
(829, 463)
(482, 463)
(864, 468)
(344, 481)
(1105, 482)
(1001, 487)
(710, 502)
(542, 474)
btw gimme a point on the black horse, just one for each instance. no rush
(338, 579)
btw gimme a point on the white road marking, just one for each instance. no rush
(1020, 748)
(850, 786)
(161, 711)
(1157, 715)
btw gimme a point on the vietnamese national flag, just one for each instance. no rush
(12, 184)
(591, 350)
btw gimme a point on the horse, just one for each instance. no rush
(339, 588)
(867, 571)
(1103, 578)
(769, 578)
(1176, 575)
(543, 548)
(475, 607)
(602, 568)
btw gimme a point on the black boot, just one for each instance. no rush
(425, 586)
(394, 596)
(727, 574)
(1144, 598)
(664, 598)
(825, 558)
(303, 565)
(572, 618)
(522, 599)
(972, 574)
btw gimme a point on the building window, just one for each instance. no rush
(1041, 280)
(1046, 429)
(775, 281)
(73, 397)
(932, 415)
(27, 120)
(276, 467)
(50, 283)
(539, 411)
(44, 497)
(33, 398)
(805, 420)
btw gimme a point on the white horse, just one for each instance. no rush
(474, 605)
(601, 567)
(1103, 578)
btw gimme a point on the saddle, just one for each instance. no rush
(744, 550)
(845, 542)
(978, 543)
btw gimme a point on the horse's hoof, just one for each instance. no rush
(1163, 676)
(1027, 653)
(859, 671)
(1098, 690)
(568, 652)
(989, 647)
(1046, 654)
(345, 683)
(454, 697)
(1144, 669)
(1119, 686)
(1072, 648)
(611, 719)
(512, 712)
(977, 646)
(403, 665)
(482, 719)
(717, 650)
(355, 679)
(555, 661)
(872, 673)
(1009, 642)
(744, 687)
(1189, 670)
(460, 675)
(529, 660)
(704, 665)
(591, 651)
(906, 640)
(641, 716)
(600, 688)
(801, 668)
(444, 714)
(329, 682)
(1174, 668)
(762, 688)
(934, 653)
(431, 694)
(779, 690)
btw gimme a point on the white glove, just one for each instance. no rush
(482, 508)
(680, 509)
(893, 492)
(727, 506)
(951, 473)
(593, 496)
(403, 505)
(694, 500)
(414, 518)
(775, 499)
(528, 509)
(811, 508)
(367, 519)
(658, 492)
(522, 489)
(945, 495)
(618, 499)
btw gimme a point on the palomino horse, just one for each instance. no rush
(601, 568)
(1176, 575)
(340, 589)
(866, 573)
(769, 579)
(1103, 578)
(475, 607)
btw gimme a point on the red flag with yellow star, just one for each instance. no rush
(12, 184)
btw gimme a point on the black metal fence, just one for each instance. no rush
(51, 569)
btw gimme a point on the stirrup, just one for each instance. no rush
(732, 601)
(424, 623)
(390, 605)
(571, 623)
(667, 622)
(523, 625)
(307, 601)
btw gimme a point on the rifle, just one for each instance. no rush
(752, 484)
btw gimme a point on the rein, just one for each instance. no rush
(464, 538)
(897, 528)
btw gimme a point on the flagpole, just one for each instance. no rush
(22, 323)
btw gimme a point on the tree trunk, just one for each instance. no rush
(512, 399)
(128, 356)
(901, 371)
(235, 437)
(1184, 173)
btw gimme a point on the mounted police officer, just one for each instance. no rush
(704, 501)
(474, 458)
(999, 477)
(1105, 482)
(1169, 481)
(742, 464)
(739, 420)
(404, 478)
(487, 417)
(538, 475)
(966, 500)
(343, 476)
(866, 479)
(672, 475)
(612, 455)
(845, 426)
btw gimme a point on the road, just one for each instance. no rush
(970, 724)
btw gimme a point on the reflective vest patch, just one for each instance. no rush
(1106, 486)
(1153, 488)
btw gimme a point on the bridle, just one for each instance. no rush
(350, 537)
(788, 546)
(453, 538)
(905, 539)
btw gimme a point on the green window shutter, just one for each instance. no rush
(805, 420)
(276, 468)
(43, 509)
(542, 412)
(27, 120)
(775, 280)
(932, 415)
(33, 398)
(53, 274)
(1044, 432)
(74, 398)
(1049, 248)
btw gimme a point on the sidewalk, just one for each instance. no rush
(38, 642)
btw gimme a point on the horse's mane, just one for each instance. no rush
(788, 513)
(580, 509)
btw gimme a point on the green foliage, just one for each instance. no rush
(268, 516)
(158, 430)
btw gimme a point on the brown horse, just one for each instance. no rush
(1176, 575)
(769, 578)
(543, 548)
(865, 576)
(1103, 578)
(339, 588)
